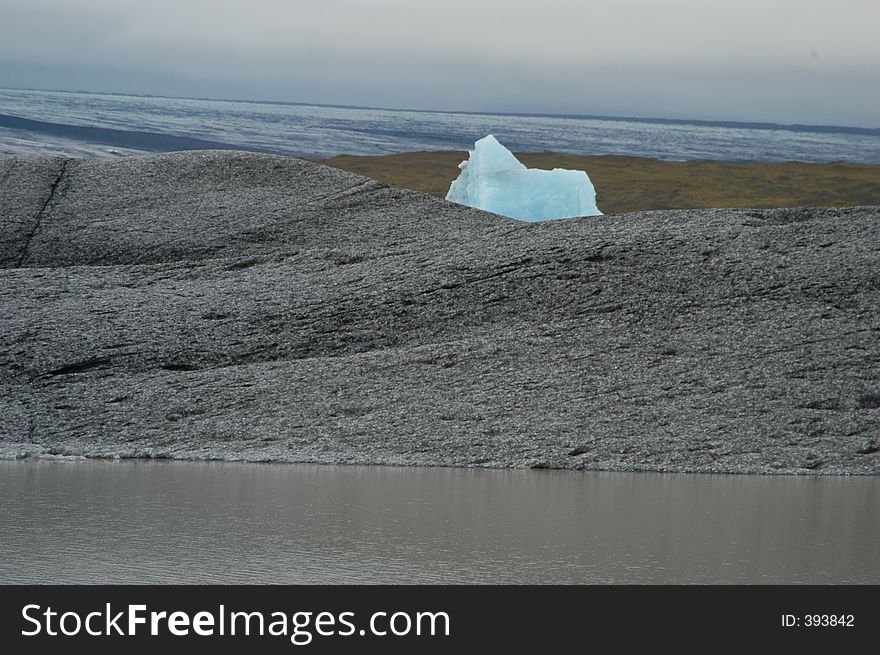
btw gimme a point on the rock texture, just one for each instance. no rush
(241, 306)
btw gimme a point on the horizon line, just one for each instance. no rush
(759, 125)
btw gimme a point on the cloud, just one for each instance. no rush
(625, 56)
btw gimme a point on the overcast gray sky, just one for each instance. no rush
(806, 61)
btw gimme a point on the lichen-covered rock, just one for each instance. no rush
(240, 306)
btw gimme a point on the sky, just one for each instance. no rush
(782, 61)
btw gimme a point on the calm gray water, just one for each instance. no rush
(137, 521)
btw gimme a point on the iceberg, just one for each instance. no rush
(492, 178)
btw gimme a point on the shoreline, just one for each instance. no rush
(163, 459)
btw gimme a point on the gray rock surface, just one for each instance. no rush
(240, 306)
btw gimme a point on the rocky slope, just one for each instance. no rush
(241, 306)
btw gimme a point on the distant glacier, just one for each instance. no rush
(324, 131)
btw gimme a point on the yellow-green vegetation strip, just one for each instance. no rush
(626, 184)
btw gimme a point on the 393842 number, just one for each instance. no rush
(828, 620)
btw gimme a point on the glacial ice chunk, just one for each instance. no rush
(492, 178)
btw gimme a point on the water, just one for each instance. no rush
(318, 131)
(84, 521)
